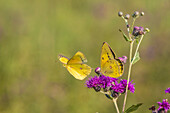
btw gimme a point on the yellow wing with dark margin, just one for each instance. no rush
(110, 66)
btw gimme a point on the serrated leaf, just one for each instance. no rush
(133, 108)
(136, 58)
(124, 35)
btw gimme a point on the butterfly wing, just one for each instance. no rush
(78, 58)
(110, 66)
(106, 55)
(75, 65)
(79, 71)
(63, 59)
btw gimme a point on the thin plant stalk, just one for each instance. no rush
(116, 106)
(134, 19)
(130, 66)
(137, 48)
(129, 72)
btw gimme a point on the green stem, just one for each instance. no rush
(115, 102)
(104, 92)
(133, 23)
(137, 48)
(128, 29)
(130, 66)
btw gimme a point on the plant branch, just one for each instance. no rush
(133, 23)
(129, 72)
(115, 103)
(130, 66)
(137, 48)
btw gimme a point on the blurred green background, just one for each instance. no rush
(34, 32)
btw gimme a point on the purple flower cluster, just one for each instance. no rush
(138, 31)
(130, 85)
(109, 83)
(167, 90)
(165, 106)
(100, 81)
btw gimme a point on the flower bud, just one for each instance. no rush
(128, 26)
(135, 14)
(97, 70)
(123, 59)
(127, 16)
(152, 108)
(114, 94)
(147, 30)
(142, 14)
(120, 13)
(138, 31)
(167, 90)
(106, 89)
(97, 88)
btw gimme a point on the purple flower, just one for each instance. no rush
(100, 81)
(138, 31)
(130, 85)
(123, 59)
(109, 83)
(117, 87)
(164, 105)
(167, 90)
(121, 87)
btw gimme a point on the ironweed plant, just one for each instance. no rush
(108, 81)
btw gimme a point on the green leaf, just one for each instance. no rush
(124, 35)
(133, 108)
(136, 58)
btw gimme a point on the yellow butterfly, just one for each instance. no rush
(110, 65)
(76, 66)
